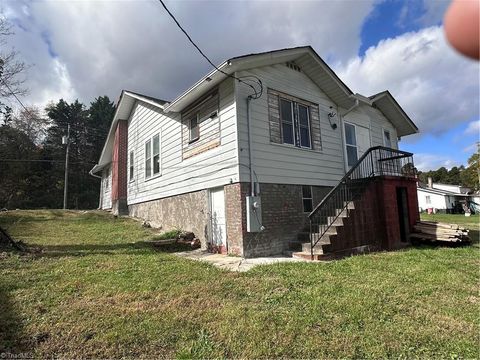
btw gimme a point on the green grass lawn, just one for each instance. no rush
(97, 289)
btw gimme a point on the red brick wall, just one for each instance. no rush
(119, 161)
(374, 221)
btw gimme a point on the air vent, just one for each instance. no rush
(293, 66)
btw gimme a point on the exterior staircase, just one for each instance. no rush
(333, 221)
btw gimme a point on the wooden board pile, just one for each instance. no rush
(435, 231)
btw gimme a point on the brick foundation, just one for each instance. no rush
(282, 216)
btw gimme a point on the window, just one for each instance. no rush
(387, 141)
(428, 200)
(194, 130)
(307, 198)
(295, 123)
(351, 144)
(286, 111)
(304, 125)
(131, 171)
(152, 156)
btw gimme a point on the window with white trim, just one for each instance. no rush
(387, 140)
(428, 200)
(307, 198)
(152, 156)
(131, 167)
(295, 123)
(351, 144)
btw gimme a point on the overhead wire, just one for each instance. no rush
(257, 94)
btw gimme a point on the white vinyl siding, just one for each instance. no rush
(427, 199)
(278, 163)
(107, 188)
(377, 123)
(212, 168)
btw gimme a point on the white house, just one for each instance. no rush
(440, 197)
(242, 173)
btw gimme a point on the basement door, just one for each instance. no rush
(218, 221)
(357, 142)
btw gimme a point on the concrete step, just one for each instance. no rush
(318, 248)
(308, 256)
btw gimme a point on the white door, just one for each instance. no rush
(357, 142)
(217, 203)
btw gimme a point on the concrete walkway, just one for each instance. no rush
(233, 263)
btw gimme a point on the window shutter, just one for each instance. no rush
(274, 117)
(315, 127)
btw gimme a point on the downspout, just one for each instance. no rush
(100, 199)
(252, 182)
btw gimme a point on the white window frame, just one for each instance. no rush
(345, 123)
(300, 127)
(296, 134)
(131, 166)
(428, 200)
(384, 139)
(307, 198)
(150, 157)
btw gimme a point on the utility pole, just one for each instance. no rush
(65, 187)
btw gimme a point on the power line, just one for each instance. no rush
(15, 96)
(44, 160)
(257, 95)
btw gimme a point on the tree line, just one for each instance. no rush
(468, 176)
(32, 156)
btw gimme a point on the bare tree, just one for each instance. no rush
(32, 123)
(12, 69)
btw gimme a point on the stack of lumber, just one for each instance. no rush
(435, 231)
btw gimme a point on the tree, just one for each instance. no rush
(471, 175)
(12, 70)
(88, 130)
(16, 167)
(32, 123)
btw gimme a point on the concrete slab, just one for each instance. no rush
(233, 263)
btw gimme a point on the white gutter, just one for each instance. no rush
(351, 108)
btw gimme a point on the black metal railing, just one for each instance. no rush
(376, 161)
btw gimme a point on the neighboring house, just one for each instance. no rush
(442, 197)
(244, 181)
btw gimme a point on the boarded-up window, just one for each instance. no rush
(293, 121)
(201, 125)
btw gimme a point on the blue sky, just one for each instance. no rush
(449, 148)
(373, 45)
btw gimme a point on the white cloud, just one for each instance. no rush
(102, 47)
(426, 162)
(473, 128)
(471, 148)
(438, 88)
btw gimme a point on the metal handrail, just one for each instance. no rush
(376, 161)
